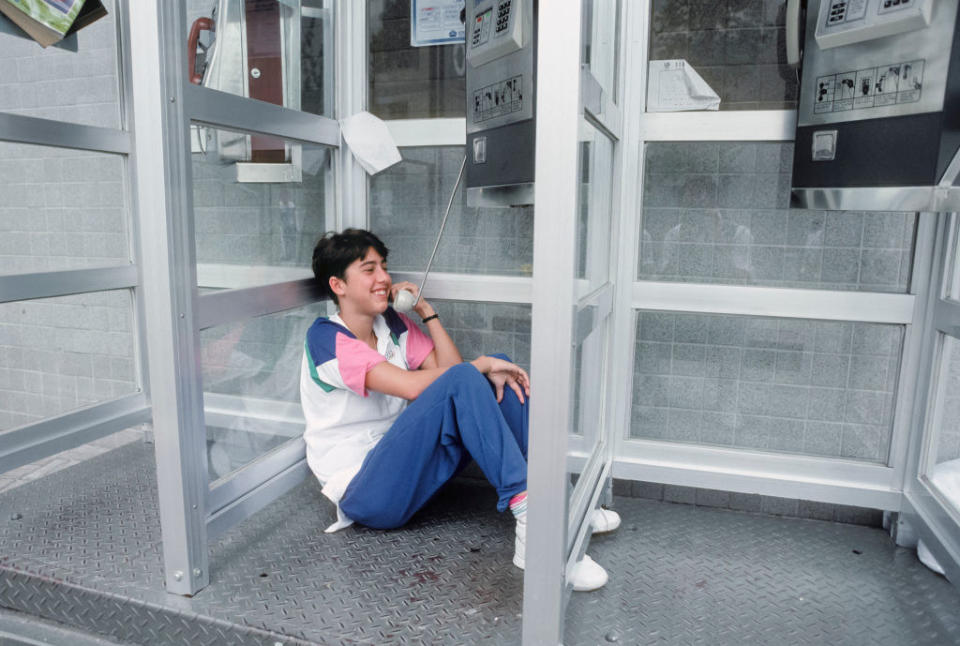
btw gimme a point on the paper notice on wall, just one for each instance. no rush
(370, 142)
(674, 85)
(436, 22)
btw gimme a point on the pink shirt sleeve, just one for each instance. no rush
(419, 345)
(354, 360)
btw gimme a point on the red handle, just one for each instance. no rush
(200, 24)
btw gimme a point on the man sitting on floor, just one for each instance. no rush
(392, 413)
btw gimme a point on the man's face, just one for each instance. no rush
(365, 287)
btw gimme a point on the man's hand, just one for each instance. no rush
(500, 373)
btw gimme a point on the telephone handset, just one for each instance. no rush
(795, 21)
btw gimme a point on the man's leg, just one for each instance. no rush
(424, 447)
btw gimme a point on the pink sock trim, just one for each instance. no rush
(519, 498)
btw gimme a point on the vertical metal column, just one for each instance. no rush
(164, 197)
(555, 196)
(351, 97)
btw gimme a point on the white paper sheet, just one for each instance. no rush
(674, 86)
(436, 22)
(370, 141)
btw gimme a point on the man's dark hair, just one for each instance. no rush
(335, 251)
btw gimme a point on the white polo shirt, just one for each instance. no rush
(344, 420)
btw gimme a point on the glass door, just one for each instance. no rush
(931, 510)
(573, 295)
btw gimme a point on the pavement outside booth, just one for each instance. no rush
(80, 548)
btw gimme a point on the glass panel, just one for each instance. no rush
(806, 387)
(737, 47)
(718, 213)
(488, 328)
(601, 45)
(409, 82)
(596, 192)
(406, 207)
(247, 230)
(60, 354)
(953, 268)
(79, 86)
(251, 384)
(945, 474)
(288, 58)
(61, 209)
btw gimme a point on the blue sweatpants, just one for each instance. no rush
(455, 418)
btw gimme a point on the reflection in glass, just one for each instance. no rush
(251, 384)
(487, 328)
(277, 52)
(945, 474)
(594, 210)
(64, 353)
(407, 82)
(271, 219)
(61, 209)
(76, 82)
(601, 45)
(738, 48)
(824, 388)
(718, 212)
(407, 202)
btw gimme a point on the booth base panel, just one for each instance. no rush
(81, 547)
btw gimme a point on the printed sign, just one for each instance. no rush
(436, 22)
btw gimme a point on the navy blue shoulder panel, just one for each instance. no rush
(394, 322)
(322, 340)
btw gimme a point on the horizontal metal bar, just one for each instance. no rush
(50, 132)
(880, 198)
(21, 287)
(224, 276)
(241, 482)
(242, 114)
(472, 287)
(410, 133)
(269, 410)
(836, 481)
(47, 437)
(241, 509)
(774, 301)
(240, 304)
(734, 125)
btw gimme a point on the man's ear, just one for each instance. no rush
(337, 285)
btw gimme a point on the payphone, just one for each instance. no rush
(878, 123)
(501, 94)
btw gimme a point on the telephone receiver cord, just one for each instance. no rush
(443, 223)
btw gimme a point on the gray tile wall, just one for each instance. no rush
(717, 212)
(59, 210)
(256, 224)
(53, 83)
(756, 503)
(805, 387)
(488, 328)
(59, 354)
(737, 46)
(407, 202)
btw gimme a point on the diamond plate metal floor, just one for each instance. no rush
(81, 547)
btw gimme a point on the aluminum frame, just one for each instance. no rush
(224, 307)
(47, 437)
(47, 284)
(923, 509)
(557, 154)
(50, 132)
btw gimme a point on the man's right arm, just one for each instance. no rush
(408, 384)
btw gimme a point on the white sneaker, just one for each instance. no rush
(604, 520)
(588, 575)
(520, 542)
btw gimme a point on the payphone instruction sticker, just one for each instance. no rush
(498, 99)
(874, 87)
(436, 22)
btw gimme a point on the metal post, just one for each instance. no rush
(351, 89)
(558, 115)
(164, 197)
